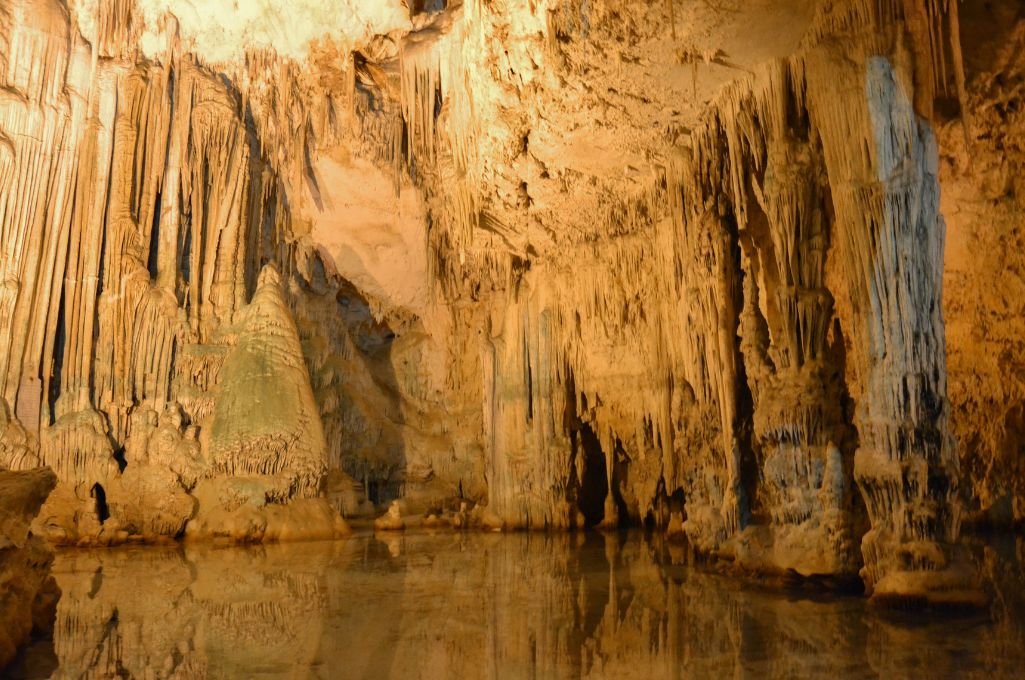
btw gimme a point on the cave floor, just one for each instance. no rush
(447, 605)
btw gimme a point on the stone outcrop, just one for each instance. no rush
(580, 264)
(28, 593)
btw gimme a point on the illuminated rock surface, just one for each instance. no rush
(745, 272)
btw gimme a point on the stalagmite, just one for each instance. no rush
(265, 420)
(520, 264)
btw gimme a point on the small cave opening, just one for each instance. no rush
(594, 482)
(119, 456)
(373, 491)
(100, 495)
(678, 503)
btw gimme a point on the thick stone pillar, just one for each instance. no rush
(882, 164)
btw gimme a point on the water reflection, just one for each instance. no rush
(491, 606)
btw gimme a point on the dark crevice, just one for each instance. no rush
(57, 375)
(530, 386)
(743, 424)
(185, 266)
(102, 511)
(154, 241)
(621, 480)
(594, 482)
(119, 456)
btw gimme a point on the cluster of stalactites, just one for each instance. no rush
(768, 147)
(933, 30)
(438, 109)
(117, 28)
(135, 209)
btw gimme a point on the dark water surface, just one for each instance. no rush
(494, 606)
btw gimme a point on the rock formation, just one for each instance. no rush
(28, 593)
(703, 266)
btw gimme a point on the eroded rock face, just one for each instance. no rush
(28, 593)
(586, 263)
(138, 216)
(982, 205)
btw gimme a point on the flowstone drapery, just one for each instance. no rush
(539, 264)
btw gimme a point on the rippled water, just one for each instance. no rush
(493, 606)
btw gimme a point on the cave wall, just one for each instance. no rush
(28, 593)
(585, 263)
(757, 324)
(981, 201)
(145, 329)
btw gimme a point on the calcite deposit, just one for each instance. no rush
(740, 272)
(28, 593)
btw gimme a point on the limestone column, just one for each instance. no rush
(882, 164)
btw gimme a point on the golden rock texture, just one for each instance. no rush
(575, 264)
(28, 594)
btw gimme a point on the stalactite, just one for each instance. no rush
(747, 135)
(685, 336)
(136, 208)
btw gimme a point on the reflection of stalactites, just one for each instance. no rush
(101, 630)
(28, 591)
(194, 622)
(599, 606)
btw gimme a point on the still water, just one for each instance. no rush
(493, 606)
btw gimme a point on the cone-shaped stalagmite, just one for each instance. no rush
(552, 264)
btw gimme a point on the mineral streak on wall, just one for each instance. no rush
(576, 263)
